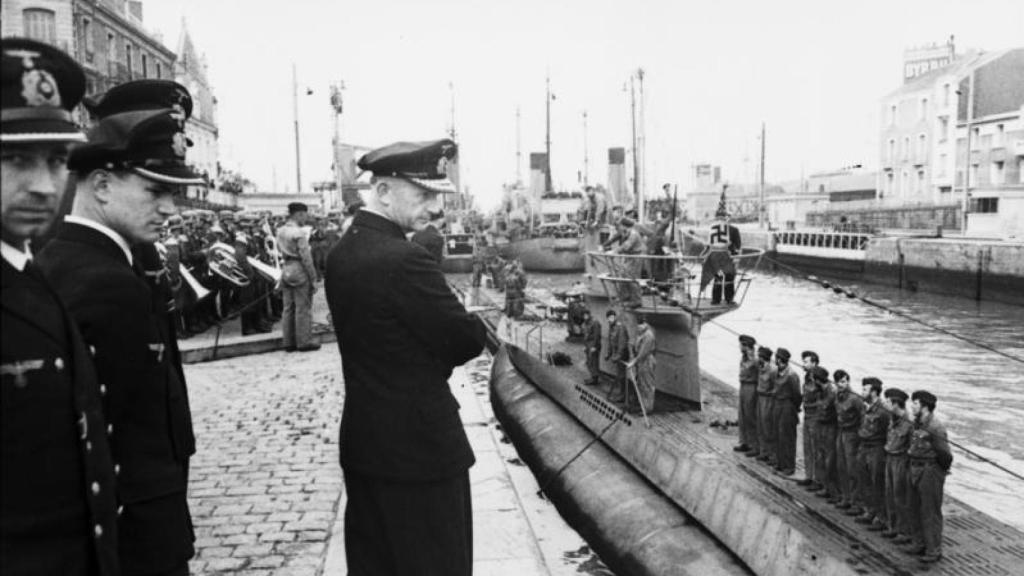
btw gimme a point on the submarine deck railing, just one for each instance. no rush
(622, 277)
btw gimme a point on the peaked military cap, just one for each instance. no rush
(294, 207)
(140, 95)
(150, 143)
(747, 340)
(425, 164)
(41, 85)
(925, 397)
(764, 353)
(783, 355)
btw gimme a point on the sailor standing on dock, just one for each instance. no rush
(930, 460)
(849, 410)
(787, 412)
(874, 429)
(897, 468)
(401, 331)
(766, 407)
(811, 396)
(748, 396)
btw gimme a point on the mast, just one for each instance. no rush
(586, 155)
(295, 114)
(519, 151)
(642, 143)
(760, 212)
(636, 165)
(547, 137)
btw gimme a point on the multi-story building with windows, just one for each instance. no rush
(990, 118)
(918, 129)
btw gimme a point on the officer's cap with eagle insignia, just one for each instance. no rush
(41, 85)
(425, 164)
(148, 94)
(141, 129)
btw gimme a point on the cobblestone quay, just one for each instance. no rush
(265, 482)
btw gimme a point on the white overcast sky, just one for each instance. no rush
(814, 71)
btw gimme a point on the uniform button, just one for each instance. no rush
(88, 446)
(95, 488)
(103, 389)
(120, 510)
(92, 350)
(117, 469)
(58, 364)
(110, 429)
(97, 530)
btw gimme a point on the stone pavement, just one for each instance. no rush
(266, 490)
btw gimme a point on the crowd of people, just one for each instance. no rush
(880, 455)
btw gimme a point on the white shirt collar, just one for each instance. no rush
(16, 258)
(117, 238)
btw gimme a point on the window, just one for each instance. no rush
(998, 173)
(919, 185)
(1020, 170)
(999, 140)
(111, 48)
(892, 149)
(943, 159)
(945, 94)
(88, 42)
(972, 175)
(921, 147)
(904, 184)
(984, 205)
(943, 128)
(892, 114)
(145, 67)
(40, 25)
(924, 108)
(975, 136)
(945, 189)
(128, 58)
(889, 183)
(906, 147)
(159, 70)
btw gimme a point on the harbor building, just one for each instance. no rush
(990, 118)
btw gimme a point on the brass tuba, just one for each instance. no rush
(198, 289)
(222, 263)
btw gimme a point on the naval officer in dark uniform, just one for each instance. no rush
(127, 177)
(57, 506)
(400, 332)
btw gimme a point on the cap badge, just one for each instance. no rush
(442, 166)
(180, 144)
(39, 88)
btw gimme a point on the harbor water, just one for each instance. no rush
(980, 392)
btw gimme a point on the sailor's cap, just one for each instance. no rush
(425, 164)
(41, 85)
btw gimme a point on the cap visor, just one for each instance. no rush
(31, 137)
(182, 177)
(440, 185)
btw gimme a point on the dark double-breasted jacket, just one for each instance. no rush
(57, 497)
(137, 360)
(400, 331)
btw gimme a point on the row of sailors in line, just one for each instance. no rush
(881, 456)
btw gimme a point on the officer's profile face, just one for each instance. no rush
(915, 407)
(843, 383)
(137, 207)
(33, 177)
(407, 204)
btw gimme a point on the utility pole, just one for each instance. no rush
(337, 106)
(519, 151)
(643, 150)
(636, 165)
(295, 113)
(547, 137)
(760, 211)
(967, 167)
(586, 155)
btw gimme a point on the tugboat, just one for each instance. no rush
(683, 446)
